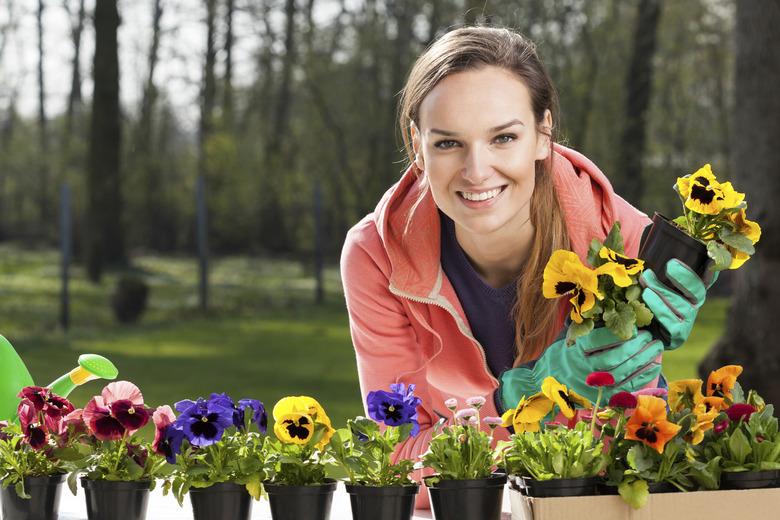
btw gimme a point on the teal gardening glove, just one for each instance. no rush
(675, 308)
(632, 363)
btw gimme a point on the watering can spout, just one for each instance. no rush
(14, 376)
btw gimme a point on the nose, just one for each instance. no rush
(476, 169)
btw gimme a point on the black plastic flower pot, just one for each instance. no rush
(382, 503)
(662, 487)
(226, 501)
(112, 500)
(478, 499)
(560, 487)
(748, 479)
(606, 489)
(44, 501)
(665, 241)
(297, 502)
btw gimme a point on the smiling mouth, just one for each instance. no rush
(481, 196)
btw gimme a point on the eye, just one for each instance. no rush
(445, 144)
(505, 138)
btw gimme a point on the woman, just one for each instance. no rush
(443, 280)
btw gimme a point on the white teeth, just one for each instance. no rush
(485, 195)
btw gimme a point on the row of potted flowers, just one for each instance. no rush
(218, 452)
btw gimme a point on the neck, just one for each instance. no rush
(499, 256)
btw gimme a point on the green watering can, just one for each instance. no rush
(14, 376)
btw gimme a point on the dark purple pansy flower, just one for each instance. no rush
(259, 415)
(138, 453)
(394, 408)
(34, 432)
(226, 401)
(170, 444)
(203, 422)
(56, 406)
(37, 395)
(131, 416)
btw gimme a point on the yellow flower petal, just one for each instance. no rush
(721, 381)
(632, 265)
(567, 400)
(294, 428)
(617, 272)
(685, 393)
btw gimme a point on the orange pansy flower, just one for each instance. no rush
(648, 423)
(722, 380)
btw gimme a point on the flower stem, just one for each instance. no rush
(595, 411)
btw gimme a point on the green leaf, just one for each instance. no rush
(614, 239)
(621, 320)
(736, 240)
(643, 315)
(73, 482)
(681, 221)
(633, 293)
(255, 487)
(638, 459)
(578, 329)
(634, 492)
(719, 254)
(739, 446)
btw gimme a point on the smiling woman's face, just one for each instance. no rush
(477, 142)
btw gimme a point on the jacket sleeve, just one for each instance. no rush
(386, 344)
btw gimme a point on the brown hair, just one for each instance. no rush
(469, 48)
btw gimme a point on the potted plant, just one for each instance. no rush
(712, 231)
(297, 483)
(33, 455)
(118, 469)
(465, 485)
(378, 489)
(606, 293)
(216, 447)
(745, 437)
(561, 459)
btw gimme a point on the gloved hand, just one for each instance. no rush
(632, 363)
(675, 309)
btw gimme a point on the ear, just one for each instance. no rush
(543, 140)
(416, 146)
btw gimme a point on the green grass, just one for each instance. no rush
(262, 338)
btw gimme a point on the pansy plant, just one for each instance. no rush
(607, 291)
(298, 455)
(362, 452)
(109, 426)
(212, 440)
(42, 441)
(460, 449)
(715, 213)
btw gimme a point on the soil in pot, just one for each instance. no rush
(43, 503)
(110, 500)
(560, 487)
(382, 503)
(748, 479)
(297, 502)
(226, 501)
(478, 499)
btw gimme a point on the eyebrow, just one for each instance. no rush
(494, 129)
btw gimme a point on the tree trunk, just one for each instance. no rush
(750, 328)
(43, 136)
(227, 94)
(74, 98)
(639, 88)
(104, 234)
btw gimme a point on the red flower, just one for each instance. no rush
(739, 411)
(131, 416)
(623, 400)
(108, 416)
(56, 406)
(721, 426)
(600, 379)
(97, 417)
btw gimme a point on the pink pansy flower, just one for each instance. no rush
(118, 411)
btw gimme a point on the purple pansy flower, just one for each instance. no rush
(394, 408)
(203, 422)
(259, 415)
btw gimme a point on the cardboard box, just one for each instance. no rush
(697, 505)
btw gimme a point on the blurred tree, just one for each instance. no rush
(43, 134)
(639, 83)
(105, 240)
(74, 98)
(749, 338)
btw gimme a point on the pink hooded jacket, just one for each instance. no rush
(406, 322)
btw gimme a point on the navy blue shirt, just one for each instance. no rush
(488, 310)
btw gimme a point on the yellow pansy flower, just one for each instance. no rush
(294, 428)
(685, 393)
(528, 413)
(633, 265)
(565, 275)
(566, 399)
(721, 381)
